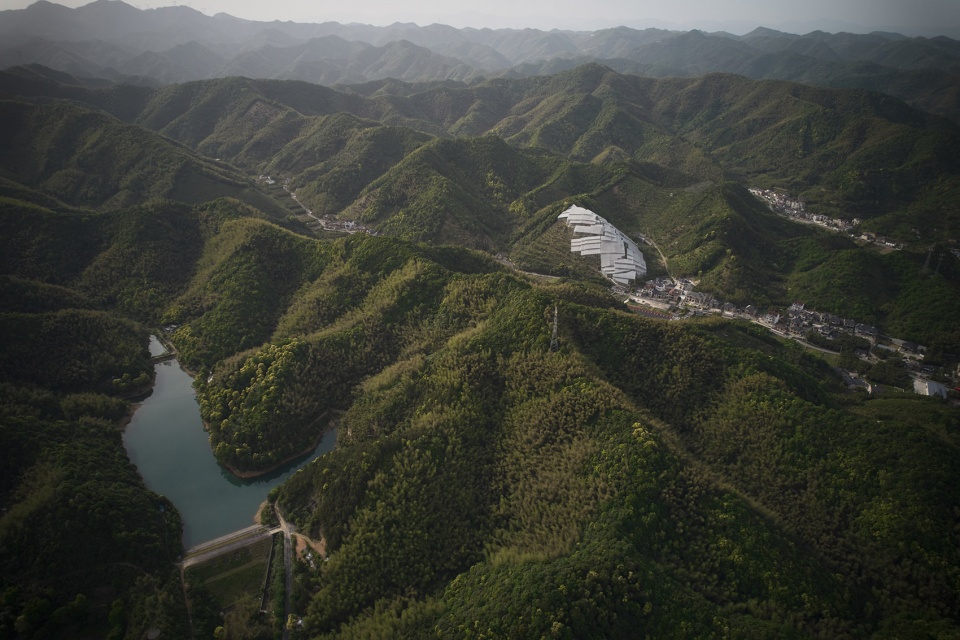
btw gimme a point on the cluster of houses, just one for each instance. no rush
(785, 205)
(880, 241)
(330, 223)
(796, 209)
(796, 320)
(799, 321)
(676, 292)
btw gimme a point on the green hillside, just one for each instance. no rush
(579, 484)
(465, 192)
(851, 153)
(243, 279)
(339, 156)
(86, 158)
(635, 478)
(87, 550)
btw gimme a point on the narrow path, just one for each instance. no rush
(542, 276)
(663, 258)
(509, 263)
(303, 206)
(287, 529)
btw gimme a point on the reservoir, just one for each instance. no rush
(166, 441)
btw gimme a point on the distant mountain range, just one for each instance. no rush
(113, 40)
(516, 455)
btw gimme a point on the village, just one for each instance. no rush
(796, 210)
(327, 223)
(860, 345)
(677, 299)
(669, 298)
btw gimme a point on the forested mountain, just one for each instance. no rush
(90, 159)
(832, 147)
(824, 145)
(493, 488)
(489, 164)
(632, 478)
(110, 39)
(702, 478)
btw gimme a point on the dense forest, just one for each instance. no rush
(692, 481)
(87, 550)
(490, 164)
(632, 478)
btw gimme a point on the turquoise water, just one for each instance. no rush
(167, 442)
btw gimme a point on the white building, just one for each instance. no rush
(620, 259)
(929, 388)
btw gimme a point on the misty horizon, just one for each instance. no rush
(929, 18)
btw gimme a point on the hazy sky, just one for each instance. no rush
(913, 17)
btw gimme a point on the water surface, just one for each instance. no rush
(167, 442)
(156, 347)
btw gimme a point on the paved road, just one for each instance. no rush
(799, 340)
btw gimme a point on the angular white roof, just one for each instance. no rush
(620, 258)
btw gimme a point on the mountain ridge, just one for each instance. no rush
(153, 51)
(686, 148)
(517, 455)
(581, 114)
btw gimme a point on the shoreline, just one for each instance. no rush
(249, 475)
(173, 354)
(144, 391)
(125, 421)
(187, 370)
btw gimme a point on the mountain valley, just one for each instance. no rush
(518, 453)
